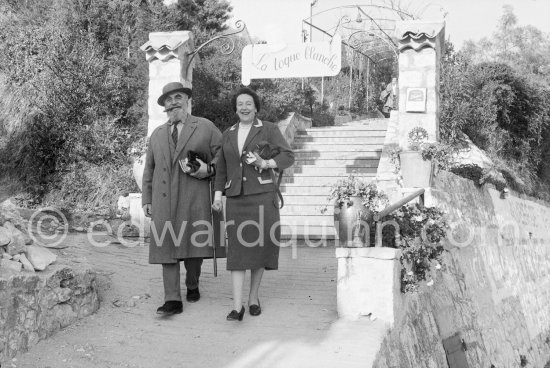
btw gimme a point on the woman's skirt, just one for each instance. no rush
(253, 232)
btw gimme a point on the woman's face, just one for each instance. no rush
(246, 110)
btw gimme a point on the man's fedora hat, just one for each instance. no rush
(171, 88)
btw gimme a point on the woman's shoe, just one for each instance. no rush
(255, 310)
(236, 316)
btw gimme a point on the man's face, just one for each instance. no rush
(176, 106)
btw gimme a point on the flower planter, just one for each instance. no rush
(353, 223)
(416, 172)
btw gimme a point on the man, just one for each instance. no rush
(178, 202)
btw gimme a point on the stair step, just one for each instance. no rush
(338, 146)
(311, 220)
(343, 171)
(324, 155)
(301, 232)
(317, 180)
(355, 138)
(293, 199)
(291, 189)
(337, 162)
(358, 126)
(372, 153)
(306, 209)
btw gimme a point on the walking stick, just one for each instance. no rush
(213, 229)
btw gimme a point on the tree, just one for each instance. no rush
(77, 71)
(524, 47)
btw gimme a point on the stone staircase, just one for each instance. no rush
(323, 155)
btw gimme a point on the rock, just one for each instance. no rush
(5, 237)
(6, 264)
(6, 256)
(16, 257)
(123, 203)
(10, 213)
(40, 257)
(17, 244)
(27, 265)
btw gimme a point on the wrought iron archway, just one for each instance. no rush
(365, 29)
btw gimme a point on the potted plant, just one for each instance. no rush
(355, 203)
(415, 171)
(422, 231)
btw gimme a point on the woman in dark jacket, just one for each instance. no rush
(252, 213)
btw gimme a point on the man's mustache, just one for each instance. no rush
(172, 108)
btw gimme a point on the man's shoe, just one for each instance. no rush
(193, 295)
(171, 307)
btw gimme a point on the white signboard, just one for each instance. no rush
(311, 59)
(416, 100)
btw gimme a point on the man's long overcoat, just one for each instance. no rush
(181, 212)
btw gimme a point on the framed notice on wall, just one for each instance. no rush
(416, 100)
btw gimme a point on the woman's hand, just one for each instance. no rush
(255, 160)
(217, 205)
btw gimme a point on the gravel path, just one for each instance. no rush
(298, 304)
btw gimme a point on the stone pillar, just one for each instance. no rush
(420, 45)
(168, 57)
(368, 283)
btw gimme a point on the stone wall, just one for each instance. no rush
(494, 290)
(293, 123)
(34, 306)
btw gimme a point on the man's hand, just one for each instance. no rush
(217, 205)
(202, 171)
(147, 210)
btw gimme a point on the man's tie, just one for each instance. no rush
(175, 132)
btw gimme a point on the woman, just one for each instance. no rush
(252, 213)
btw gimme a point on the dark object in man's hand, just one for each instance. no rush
(266, 150)
(192, 162)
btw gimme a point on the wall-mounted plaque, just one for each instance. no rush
(416, 100)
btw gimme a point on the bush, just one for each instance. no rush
(88, 186)
(503, 112)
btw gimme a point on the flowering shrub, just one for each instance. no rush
(373, 198)
(441, 154)
(421, 233)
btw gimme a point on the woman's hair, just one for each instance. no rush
(245, 91)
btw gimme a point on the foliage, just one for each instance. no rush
(441, 154)
(524, 47)
(422, 231)
(479, 175)
(91, 187)
(503, 112)
(373, 198)
(76, 97)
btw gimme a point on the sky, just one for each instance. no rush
(281, 20)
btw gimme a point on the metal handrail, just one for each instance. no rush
(386, 211)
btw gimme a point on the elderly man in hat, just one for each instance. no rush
(177, 198)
